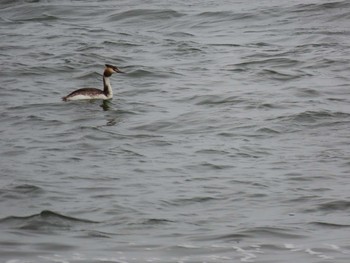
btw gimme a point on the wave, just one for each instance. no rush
(261, 232)
(320, 6)
(20, 191)
(329, 225)
(307, 117)
(189, 201)
(156, 221)
(340, 205)
(214, 17)
(45, 220)
(214, 100)
(143, 15)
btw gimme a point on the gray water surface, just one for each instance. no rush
(226, 141)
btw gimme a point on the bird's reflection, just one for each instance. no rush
(106, 105)
(113, 119)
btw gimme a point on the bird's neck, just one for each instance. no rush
(107, 88)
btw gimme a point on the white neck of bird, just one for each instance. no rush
(107, 88)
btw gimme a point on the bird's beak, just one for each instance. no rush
(118, 70)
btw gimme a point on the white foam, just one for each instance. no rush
(247, 255)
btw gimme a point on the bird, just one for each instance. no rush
(93, 93)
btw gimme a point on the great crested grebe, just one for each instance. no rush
(92, 93)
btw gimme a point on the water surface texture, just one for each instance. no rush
(227, 139)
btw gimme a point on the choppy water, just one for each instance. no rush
(227, 140)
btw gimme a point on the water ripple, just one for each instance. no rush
(226, 140)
